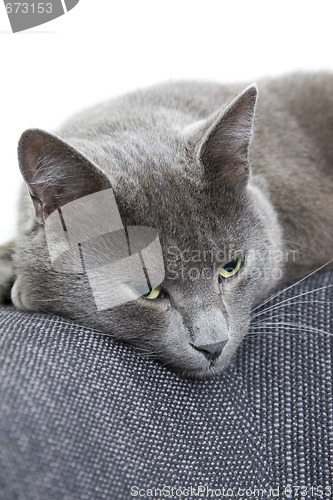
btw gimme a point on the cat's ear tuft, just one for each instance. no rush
(224, 150)
(55, 172)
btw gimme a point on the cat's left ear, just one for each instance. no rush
(224, 150)
(56, 173)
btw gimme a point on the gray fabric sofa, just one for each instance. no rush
(84, 417)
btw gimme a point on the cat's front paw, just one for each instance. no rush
(6, 272)
(20, 296)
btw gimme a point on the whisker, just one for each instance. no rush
(292, 326)
(280, 323)
(282, 304)
(292, 331)
(304, 246)
(291, 299)
(291, 286)
(147, 353)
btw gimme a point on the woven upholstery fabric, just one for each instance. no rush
(84, 417)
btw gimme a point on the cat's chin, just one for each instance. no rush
(203, 374)
(203, 371)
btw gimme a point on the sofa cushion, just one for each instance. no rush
(86, 417)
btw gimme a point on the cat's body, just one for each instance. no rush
(177, 161)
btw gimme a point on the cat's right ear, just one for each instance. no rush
(55, 172)
(221, 143)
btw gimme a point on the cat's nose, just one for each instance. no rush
(211, 351)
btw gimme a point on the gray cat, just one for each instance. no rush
(240, 206)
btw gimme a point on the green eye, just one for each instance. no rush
(231, 268)
(155, 293)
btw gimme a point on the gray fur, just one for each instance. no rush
(176, 156)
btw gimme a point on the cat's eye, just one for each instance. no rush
(231, 268)
(155, 293)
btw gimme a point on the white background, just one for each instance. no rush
(103, 48)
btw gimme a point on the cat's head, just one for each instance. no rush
(192, 185)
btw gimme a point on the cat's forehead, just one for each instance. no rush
(188, 220)
(157, 185)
